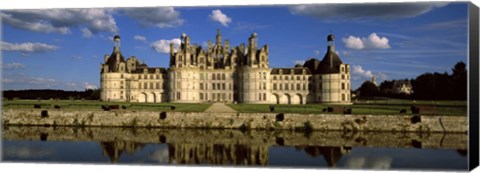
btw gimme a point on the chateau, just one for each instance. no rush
(223, 73)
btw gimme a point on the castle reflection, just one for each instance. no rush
(220, 154)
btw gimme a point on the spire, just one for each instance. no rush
(116, 43)
(219, 37)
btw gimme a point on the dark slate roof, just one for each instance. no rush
(330, 63)
(112, 60)
(287, 70)
(312, 64)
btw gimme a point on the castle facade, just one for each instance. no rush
(223, 73)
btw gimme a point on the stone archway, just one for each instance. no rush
(142, 98)
(151, 98)
(274, 97)
(296, 99)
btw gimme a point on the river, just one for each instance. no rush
(294, 149)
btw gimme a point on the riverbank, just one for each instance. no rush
(243, 121)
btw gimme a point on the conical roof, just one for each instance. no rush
(331, 61)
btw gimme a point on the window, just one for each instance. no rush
(298, 77)
(292, 86)
(121, 76)
(213, 96)
(218, 76)
(291, 78)
(178, 95)
(343, 69)
(229, 86)
(286, 86)
(274, 86)
(343, 76)
(218, 86)
(223, 86)
(151, 85)
(213, 86)
(223, 76)
(281, 86)
(145, 76)
(298, 86)
(343, 97)
(264, 96)
(264, 75)
(201, 96)
(259, 96)
(157, 85)
(151, 76)
(201, 86)
(201, 76)
(274, 77)
(145, 86)
(139, 76)
(264, 86)
(213, 76)
(304, 87)
(286, 77)
(157, 76)
(303, 77)
(343, 86)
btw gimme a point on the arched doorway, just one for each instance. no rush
(142, 98)
(275, 98)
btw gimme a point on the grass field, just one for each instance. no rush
(374, 107)
(96, 105)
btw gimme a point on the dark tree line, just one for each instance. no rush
(45, 94)
(428, 86)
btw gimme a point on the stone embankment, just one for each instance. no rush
(302, 122)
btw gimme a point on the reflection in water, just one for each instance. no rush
(114, 149)
(232, 147)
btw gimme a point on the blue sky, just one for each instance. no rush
(63, 48)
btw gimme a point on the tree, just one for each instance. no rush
(459, 80)
(368, 89)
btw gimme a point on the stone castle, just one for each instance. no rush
(223, 73)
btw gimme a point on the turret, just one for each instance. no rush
(219, 37)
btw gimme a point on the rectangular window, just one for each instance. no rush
(264, 86)
(201, 86)
(264, 96)
(213, 96)
(304, 87)
(201, 96)
(274, 86)
(158, 76)
(213, 86)
(343, 76)
(343, 86)
(218, 86)
(281, 86)
(151, 85)
(292, 86)
(259, 96)
(145, 85)
(139, 76)
(178, 85)
(213, 76)
(157, 85)
(298, 86)
(274, 77)
(264, 75)
(286, 86)
(224, 97)
(201, 76)
(230, 86)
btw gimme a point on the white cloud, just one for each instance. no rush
(161, 17)
(86, 33)
(218, 16)
(13, 65)
(140, 38)
(87, 85)
(366, 10)
(61, 20)
(372, 42)
(358, 70)
(27, 47)
(301, 62)
(163, 46)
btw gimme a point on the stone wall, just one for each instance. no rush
(300, 122)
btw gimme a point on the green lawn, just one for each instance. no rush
(390, 107)
(96, 105)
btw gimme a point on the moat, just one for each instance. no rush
(257, 148)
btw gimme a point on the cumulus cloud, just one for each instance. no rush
(366, 10)
(87, 85)
(358, 70)
(86, 33)
(61, 20)
(163, 46)
(301, 62)
(21, 79)
(27, 47)
(218, 16)
(161, 17)
(140, 38)
(373, 41)
(13, 65)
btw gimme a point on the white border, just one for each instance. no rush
(82, 168)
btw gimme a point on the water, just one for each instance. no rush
(330, 149)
